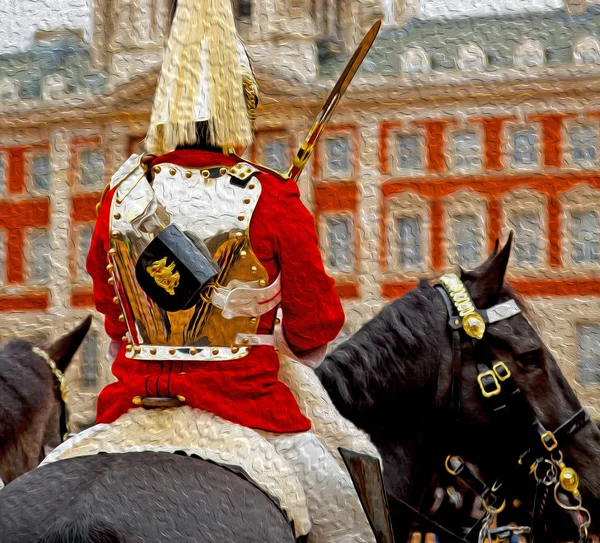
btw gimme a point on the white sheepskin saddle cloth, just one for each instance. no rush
(200, 433)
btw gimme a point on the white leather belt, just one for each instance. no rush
(243, 299)
(255, 339)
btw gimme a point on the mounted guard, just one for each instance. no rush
(207, 269)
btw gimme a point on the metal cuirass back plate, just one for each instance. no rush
(211, 204)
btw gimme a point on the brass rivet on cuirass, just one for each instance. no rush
(157, 169)
(172, 171)
(223, 171)
(254, 269)
(243, 253)
(215, 351)
(129, 348)
(245, 341)
(251, 186)
(153, 351)
(252, 321)
(172, 351)
(116, 235)
(117, 216)
(137, 349)
(277, 321)
(137, 400)
(235, 349)
(181, 398)
(110, 267)
(262, 283)
(193, 351)
(205, 173)
(112, 252)
(241, 218)
(247, 200)
(125, 338)
(121, 318)
(111, 281)
(116, 300)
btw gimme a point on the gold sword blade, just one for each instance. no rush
(331, 103)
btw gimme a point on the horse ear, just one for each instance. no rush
(496, 247)
(485, 282)
(63, 349)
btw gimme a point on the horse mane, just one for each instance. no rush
(390, 347)
(23, 389)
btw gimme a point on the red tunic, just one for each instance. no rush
(247, 391)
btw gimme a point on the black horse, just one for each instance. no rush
(31, 407)
(393, 378)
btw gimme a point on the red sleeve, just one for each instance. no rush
(97, 261)
(312, 312)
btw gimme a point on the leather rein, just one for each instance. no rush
(506, 405)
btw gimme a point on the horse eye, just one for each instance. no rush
(532, 358)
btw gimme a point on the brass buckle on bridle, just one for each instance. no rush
(549, 441)
(487, 380)
(501, 370)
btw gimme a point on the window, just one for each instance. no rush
(91, 168)
(9, 90)
(470, 57)
(529, 54)
(528, 232)
(339, 232)
(409, 152)
(525, 148)
(90, 362)
(583, 146)
(275, 155)
(410, 254)
(588, 341)
(587, 51)
(39, 256)
(40, 172)
(586, 234)
(339, 157)
(388, 11)
(243, 9)
(3, 173)
(3, 258)
(83, 247)
(467, 151)
(468, 243)
(415, 61)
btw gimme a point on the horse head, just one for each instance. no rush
(32, 400)
(407, 380)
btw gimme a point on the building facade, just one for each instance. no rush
(453, 133)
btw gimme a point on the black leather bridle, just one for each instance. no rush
(507, 408)
(62, 391)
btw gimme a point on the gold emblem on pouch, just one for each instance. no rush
(165, 276)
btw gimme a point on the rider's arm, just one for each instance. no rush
(97, 261)
(312, 312)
